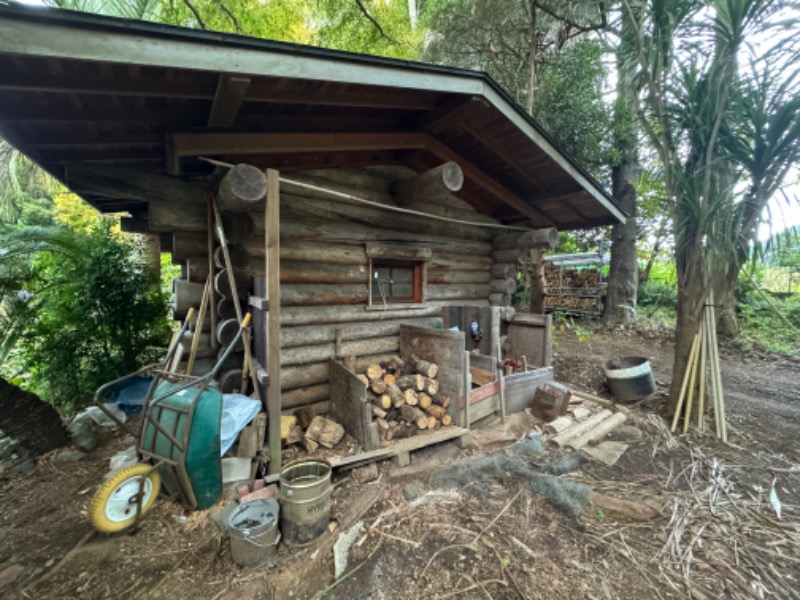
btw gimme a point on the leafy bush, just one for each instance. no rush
(654, 294)
(95, 312)
(762, 327)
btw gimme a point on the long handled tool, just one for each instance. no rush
(248, 361)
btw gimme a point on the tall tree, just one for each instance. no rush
(698, 111)
(623, 278)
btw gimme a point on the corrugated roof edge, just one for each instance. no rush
(95, 21)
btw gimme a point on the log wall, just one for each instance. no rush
(325, 270)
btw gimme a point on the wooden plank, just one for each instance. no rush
(272, 254)
(484, 408)
(519, 388)
(348, 398)
(443, 347)
(415, 442)
(214, 143)
(228, 99)
(483, 392)
(531, 336)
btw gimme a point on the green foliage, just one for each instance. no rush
(569, 102)
(761, 327)
(95, 312)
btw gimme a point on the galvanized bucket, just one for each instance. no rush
(629, 378)
(305, 500)
(253, 529)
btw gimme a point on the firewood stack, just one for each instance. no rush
(405, 397)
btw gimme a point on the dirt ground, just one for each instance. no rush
(706, 529)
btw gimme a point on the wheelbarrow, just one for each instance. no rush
(178, 443)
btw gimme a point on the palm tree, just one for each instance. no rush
(720, 125)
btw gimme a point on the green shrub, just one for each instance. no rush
(95, 314)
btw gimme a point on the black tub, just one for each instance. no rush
(629, 378)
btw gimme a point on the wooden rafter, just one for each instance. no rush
(231, 90)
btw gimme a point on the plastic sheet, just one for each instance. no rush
(237, 411)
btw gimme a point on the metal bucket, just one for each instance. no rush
(305, 500)
(629, 378)
(253, 529)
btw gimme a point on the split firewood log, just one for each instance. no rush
(447, 420)
(428, 369)
(414, 382)
(325, 432)
(374, 371)
(363, 379)
(391, 415)
(401, 430)
(412, 399)
(378, 386)
(436, 411)
(411, 414)
(382, 423)
(378, 412)
(443, 401)
(431, 386)
(389, 378)
(431, 422)
(424, 401)
(383, 401)
(396, 394)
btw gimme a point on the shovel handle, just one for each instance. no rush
(246, 321)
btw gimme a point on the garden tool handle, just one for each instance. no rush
(190, 314)
(246, 321)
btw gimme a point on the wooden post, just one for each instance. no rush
(538, 285)
(272, 251)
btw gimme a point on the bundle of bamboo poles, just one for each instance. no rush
(703, 378)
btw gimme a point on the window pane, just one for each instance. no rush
(402, 289)
(403, 274)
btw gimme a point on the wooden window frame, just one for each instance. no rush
(401, 256)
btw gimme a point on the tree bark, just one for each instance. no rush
(623, 278)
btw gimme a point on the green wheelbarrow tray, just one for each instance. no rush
(181, 433)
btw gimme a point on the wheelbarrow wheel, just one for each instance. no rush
(113, 507)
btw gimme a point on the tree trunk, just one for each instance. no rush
(623, 275)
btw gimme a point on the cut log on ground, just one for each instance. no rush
(326, 432)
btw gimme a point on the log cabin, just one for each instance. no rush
(358, 195)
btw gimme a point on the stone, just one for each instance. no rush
(10, 574)
(411, 491)
(70, 456)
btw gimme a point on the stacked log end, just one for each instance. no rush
(404, 396)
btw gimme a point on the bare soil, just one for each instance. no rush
(715, 533)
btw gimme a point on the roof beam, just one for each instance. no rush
(228, 99)
(213, 143)
(236, 144)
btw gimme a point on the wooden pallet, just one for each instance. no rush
(401, 450)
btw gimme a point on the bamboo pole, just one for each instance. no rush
(198, 327)
(684, 384)
(692, 380)
(702, 391)
(722, 432)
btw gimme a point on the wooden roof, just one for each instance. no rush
(80, 88)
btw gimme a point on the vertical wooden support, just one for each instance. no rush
(466, 385)
(272, 255)
(536, 276)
